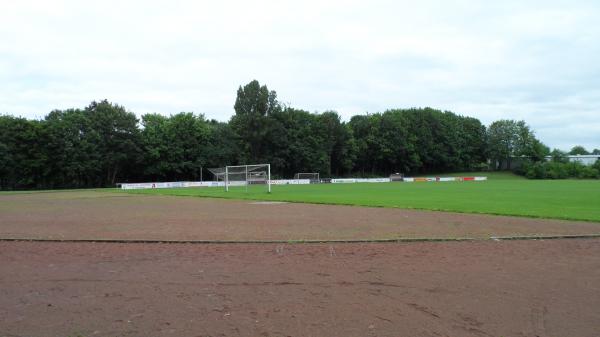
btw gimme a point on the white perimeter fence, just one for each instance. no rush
(181, 184)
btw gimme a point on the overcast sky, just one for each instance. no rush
(532, 60)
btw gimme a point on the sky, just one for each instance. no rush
(531, 60)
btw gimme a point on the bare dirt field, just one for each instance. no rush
(482, 288)
(478, 288)
(94, 215)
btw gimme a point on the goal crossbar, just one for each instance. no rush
(245, 174)
(312, 176)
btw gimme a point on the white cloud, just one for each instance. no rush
(529, 60)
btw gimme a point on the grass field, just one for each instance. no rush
(503, 194)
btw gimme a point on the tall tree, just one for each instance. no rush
(155, 145)
(115, 132)
(366, 131)
(176, 147)
(104, 143)
(74, 154)
(398, 143)
(223, 148)
(578, 150)
(471, 135)
(559, 156)
(502, 141)
(22, 143)
(253, 105)
(5, 165)
(336, 143)
(509, 138)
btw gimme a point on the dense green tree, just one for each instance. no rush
(417, 140)
(596, 165)
(299, 141)
(115, 133)
(578, 150)
(337, 146)
(104, 143)
(74, 154)
(176, 147)
(472, 148)
(155, 144)
(223, 146)
(7, 162)
(508, 139)
(398, 144)
(296, 143)
(366, 131)
(561, 170)
(253, 105)
(539, 151)
(526, 143)
(5, 165)
(559, 156)
(22, 143)
(502, 138)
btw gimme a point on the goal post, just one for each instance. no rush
(397, 177)
(312, 176)
(244, 175)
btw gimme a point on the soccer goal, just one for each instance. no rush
(397, 177)
(244, 175)
(312, 176)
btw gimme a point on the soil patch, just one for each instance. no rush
(93, 215)
(483, 288)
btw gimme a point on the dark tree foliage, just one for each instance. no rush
(22, 146)
(417, 140)
(508, 139)
(72, 148)
(116, 136)
(103, 144)
(253, 107)
(93, 147)
(175, 147)
(559, 156)
(561, 170)
(222, 148)
(578, 150)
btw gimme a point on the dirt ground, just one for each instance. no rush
(108, 215)
(482, 288)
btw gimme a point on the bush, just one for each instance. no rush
(573, 169)
(559, 170)
(589, 172)
(522, 170)
(559, 156)
(481, 167)
(536, 171)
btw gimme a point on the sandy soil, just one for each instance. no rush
(105, 215)
(483, 288)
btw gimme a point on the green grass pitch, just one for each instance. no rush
(503, 194)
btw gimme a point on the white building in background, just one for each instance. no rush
(585, 159)
(516, 162)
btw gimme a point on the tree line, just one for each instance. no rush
(104, 143)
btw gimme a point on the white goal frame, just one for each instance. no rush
(248, 170)
(312, 176)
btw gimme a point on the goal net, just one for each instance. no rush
(313, 177)
(244, 176)
(397, 177)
